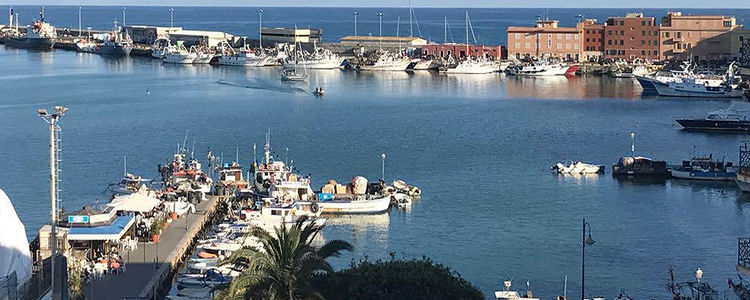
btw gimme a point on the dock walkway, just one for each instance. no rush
(149, 265)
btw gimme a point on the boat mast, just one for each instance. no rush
(267, 147)
(411, 31)
(125, 165)
(445, 30)
(467, 35)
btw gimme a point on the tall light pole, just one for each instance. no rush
(585, 241)
(355, 22)
(171, 18)
(380, 26)
(79, 21)
(382, 167)
(123, 16)
(54, 159)
(260, 29)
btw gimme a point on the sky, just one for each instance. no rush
(415, 3)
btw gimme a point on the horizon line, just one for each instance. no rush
(385, 6)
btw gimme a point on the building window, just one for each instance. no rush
(567, 46)
(527, 45)
(587, 32)
(643, 42)
(609, 42)
(518, 36)
(666, 34)
(559, 45)
(518, 45)
(567, 36)
(575, 36)
(688, 46)
(622, 23)
(559, 36)
(587, 40)
(643, 23)
(643, 52)
(575, 46)
(727, 23)
(643, 33)
(622, 43)
(622, 32)
(609, 32)
(678, 34)
(656, 52)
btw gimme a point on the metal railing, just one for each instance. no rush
(743, 252)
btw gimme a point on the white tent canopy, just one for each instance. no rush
(14, 247)
(135, 202)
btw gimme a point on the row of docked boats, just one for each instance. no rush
(114, 43)
(684, 82)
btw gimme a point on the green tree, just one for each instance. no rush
(414, 279)
(286, 266)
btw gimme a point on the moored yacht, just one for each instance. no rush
(508, 294)
(542, 68)
(690, 87)
(729, 119)
(245, 57)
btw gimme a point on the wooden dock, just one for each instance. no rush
(151, 265)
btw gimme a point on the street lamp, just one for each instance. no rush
(382, 167)
(171, 18)
(585, 241)
(260, 29)
(355, 22)
(54, 159)
(380, 25)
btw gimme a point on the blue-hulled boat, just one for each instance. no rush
(705, 168)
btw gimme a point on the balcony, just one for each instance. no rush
(678, 39)
(677, 51)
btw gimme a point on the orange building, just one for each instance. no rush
(630, 37)
(699, 38)
(545, 39)
(593, 39)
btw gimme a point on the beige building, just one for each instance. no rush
(291, 35)
(199, 37)
(698, 38)
(146, 34)
(546, 39)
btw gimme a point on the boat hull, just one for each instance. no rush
(26, 43)
(373, 206)
(669, 91)
(114, 50)
(743, 182)
(719, 125)
(699, 175)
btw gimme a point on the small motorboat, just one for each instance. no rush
(728, 119)
(319, 91)
(577, 168)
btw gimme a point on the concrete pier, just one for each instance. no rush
(149, 266)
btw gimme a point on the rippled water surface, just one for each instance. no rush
(478, 146)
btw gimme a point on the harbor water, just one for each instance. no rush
(479, 147)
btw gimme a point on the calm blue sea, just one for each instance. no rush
(489, 24)
(478, 146)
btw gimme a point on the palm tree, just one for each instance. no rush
(285, 265)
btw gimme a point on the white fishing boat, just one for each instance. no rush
(159, 47)
(502, 66)
(319, 59)
(203, 55)
(85, 46)
(473, 66)
(422, 64)
(508, 294)
(179, 54)
(244, 57)
(387, 62)
(690, 87)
